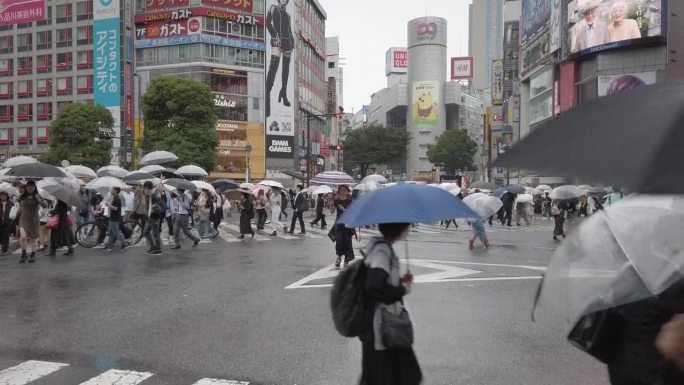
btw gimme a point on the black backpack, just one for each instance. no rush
(346, 299)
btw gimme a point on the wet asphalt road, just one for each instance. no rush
(222, 311)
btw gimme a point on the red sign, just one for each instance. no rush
(186, 13)
(21, 11)
(400, 59)
(162, 29)
(239, 5)
(194, 26)
(165, 4)
(461, 68)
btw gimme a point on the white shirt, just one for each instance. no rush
(128, 197)
(275, 201)
(182, 205)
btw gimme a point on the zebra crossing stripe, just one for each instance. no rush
(28, 371)
(210, 381)
(118, 377)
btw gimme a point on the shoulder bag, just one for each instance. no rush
(396, 330)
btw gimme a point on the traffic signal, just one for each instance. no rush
(339, 148)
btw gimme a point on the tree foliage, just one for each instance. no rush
(455, 150)
(74, 136)
(180, 117)
(374, 144)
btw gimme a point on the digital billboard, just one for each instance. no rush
(535, 15)
(615, 84)
(598, 25)
(280, 78)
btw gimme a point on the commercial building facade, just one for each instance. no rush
(60, 52)
(221, 44)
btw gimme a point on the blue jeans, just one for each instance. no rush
(203, 228)
(114, 234)
(152, 236)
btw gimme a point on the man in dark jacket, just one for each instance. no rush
(299, 206)
(155, 212)
(320, 212)
(507, 199)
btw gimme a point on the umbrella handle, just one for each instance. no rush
(406, 253)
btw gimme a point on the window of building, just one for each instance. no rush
(64, 61)
(24, 112)
(42, 134)
(5, 134)
(6, 90)
(84, 10)
(44, 39)
(44, 111)
(24, 135)
(541, 96)
(48, 18)
(331, 64)
(84, 84)
(84, 35)
(64, 86)
(6, 67)
(6, 44)
(6, 113)
(43, 63)
(84, 59)
(24, 89)
(24, 42)
(25, 65)
(63, 13)
(64, 37)
(44, 87)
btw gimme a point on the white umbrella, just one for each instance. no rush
(158, 157)
(246, 185)
(449, 186)
(566, 192)
(367, 186)
(152, 169)
(115, 171)
(191, 170)
(104, 184)
(201, 185)
(524, 198)
(532, 191)
(584, 187)
(17, 160)
(544, 187)
(272, 183)
(9, 189)
(455, 191)
(81, 171)
(322, 190)
(375, 178)
(484, 205)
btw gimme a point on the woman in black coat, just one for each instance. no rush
(246, 216)
(62, 236)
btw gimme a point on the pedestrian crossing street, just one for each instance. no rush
(29, 371)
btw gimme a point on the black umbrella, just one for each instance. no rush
(36, 170)
(225, 184)
(294, 174)
(180, 184)
(632, 140)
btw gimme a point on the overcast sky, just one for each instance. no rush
(367, 28)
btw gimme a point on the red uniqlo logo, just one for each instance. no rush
(400, 59)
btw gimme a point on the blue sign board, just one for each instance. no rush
(107, 66)
(189, 39)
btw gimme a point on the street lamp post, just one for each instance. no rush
(248, 170)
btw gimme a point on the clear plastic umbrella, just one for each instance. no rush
(246, 185)
(114, 171)
(631, 251)
(375, 178)
(104, 184)
(367, 186)
(566, 192)
(9, 189)
(544, 187)
(272, 183)
(484, 205)
(158, 157)
(524, 198)
(82, 171)
(62, 189)
(152, 169)
(17, 160)
(201, 185)
(449, 186)
(455, 191)
(322, 190)
(191, 170)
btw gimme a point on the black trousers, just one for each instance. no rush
(5, 231)
(297, 214)
(507, 215)
(261, 216)
(320, 217)
(558, 221)
(169, 224)
(343, 242)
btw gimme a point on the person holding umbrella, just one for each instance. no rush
(343, 234)
(29, 223)
(156, 210)
(116, 207)
(246, 207)
(182, 213)
(508, 199)
(275, 201)
(261, 203)
(299, 205)
(558, 210)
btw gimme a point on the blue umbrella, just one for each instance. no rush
(225, 184)
(515, 189)
(405, 203)
(499, 192)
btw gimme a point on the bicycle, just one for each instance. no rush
(93, 233)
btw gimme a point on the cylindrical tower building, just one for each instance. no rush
(427, 60)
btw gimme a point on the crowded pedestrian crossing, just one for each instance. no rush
(34, 371)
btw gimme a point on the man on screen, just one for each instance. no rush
(590, 31)
(622, 28)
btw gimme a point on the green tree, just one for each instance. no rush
(374, 144)
(455, 150)
(74, 136)
(180, 117)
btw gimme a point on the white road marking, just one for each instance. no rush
(447, 273)
(119, 377)
(210, 381)
(28, 371)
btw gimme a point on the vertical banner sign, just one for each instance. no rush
(497, 82)
(425, 108)
(280, 79)
(107, 66)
